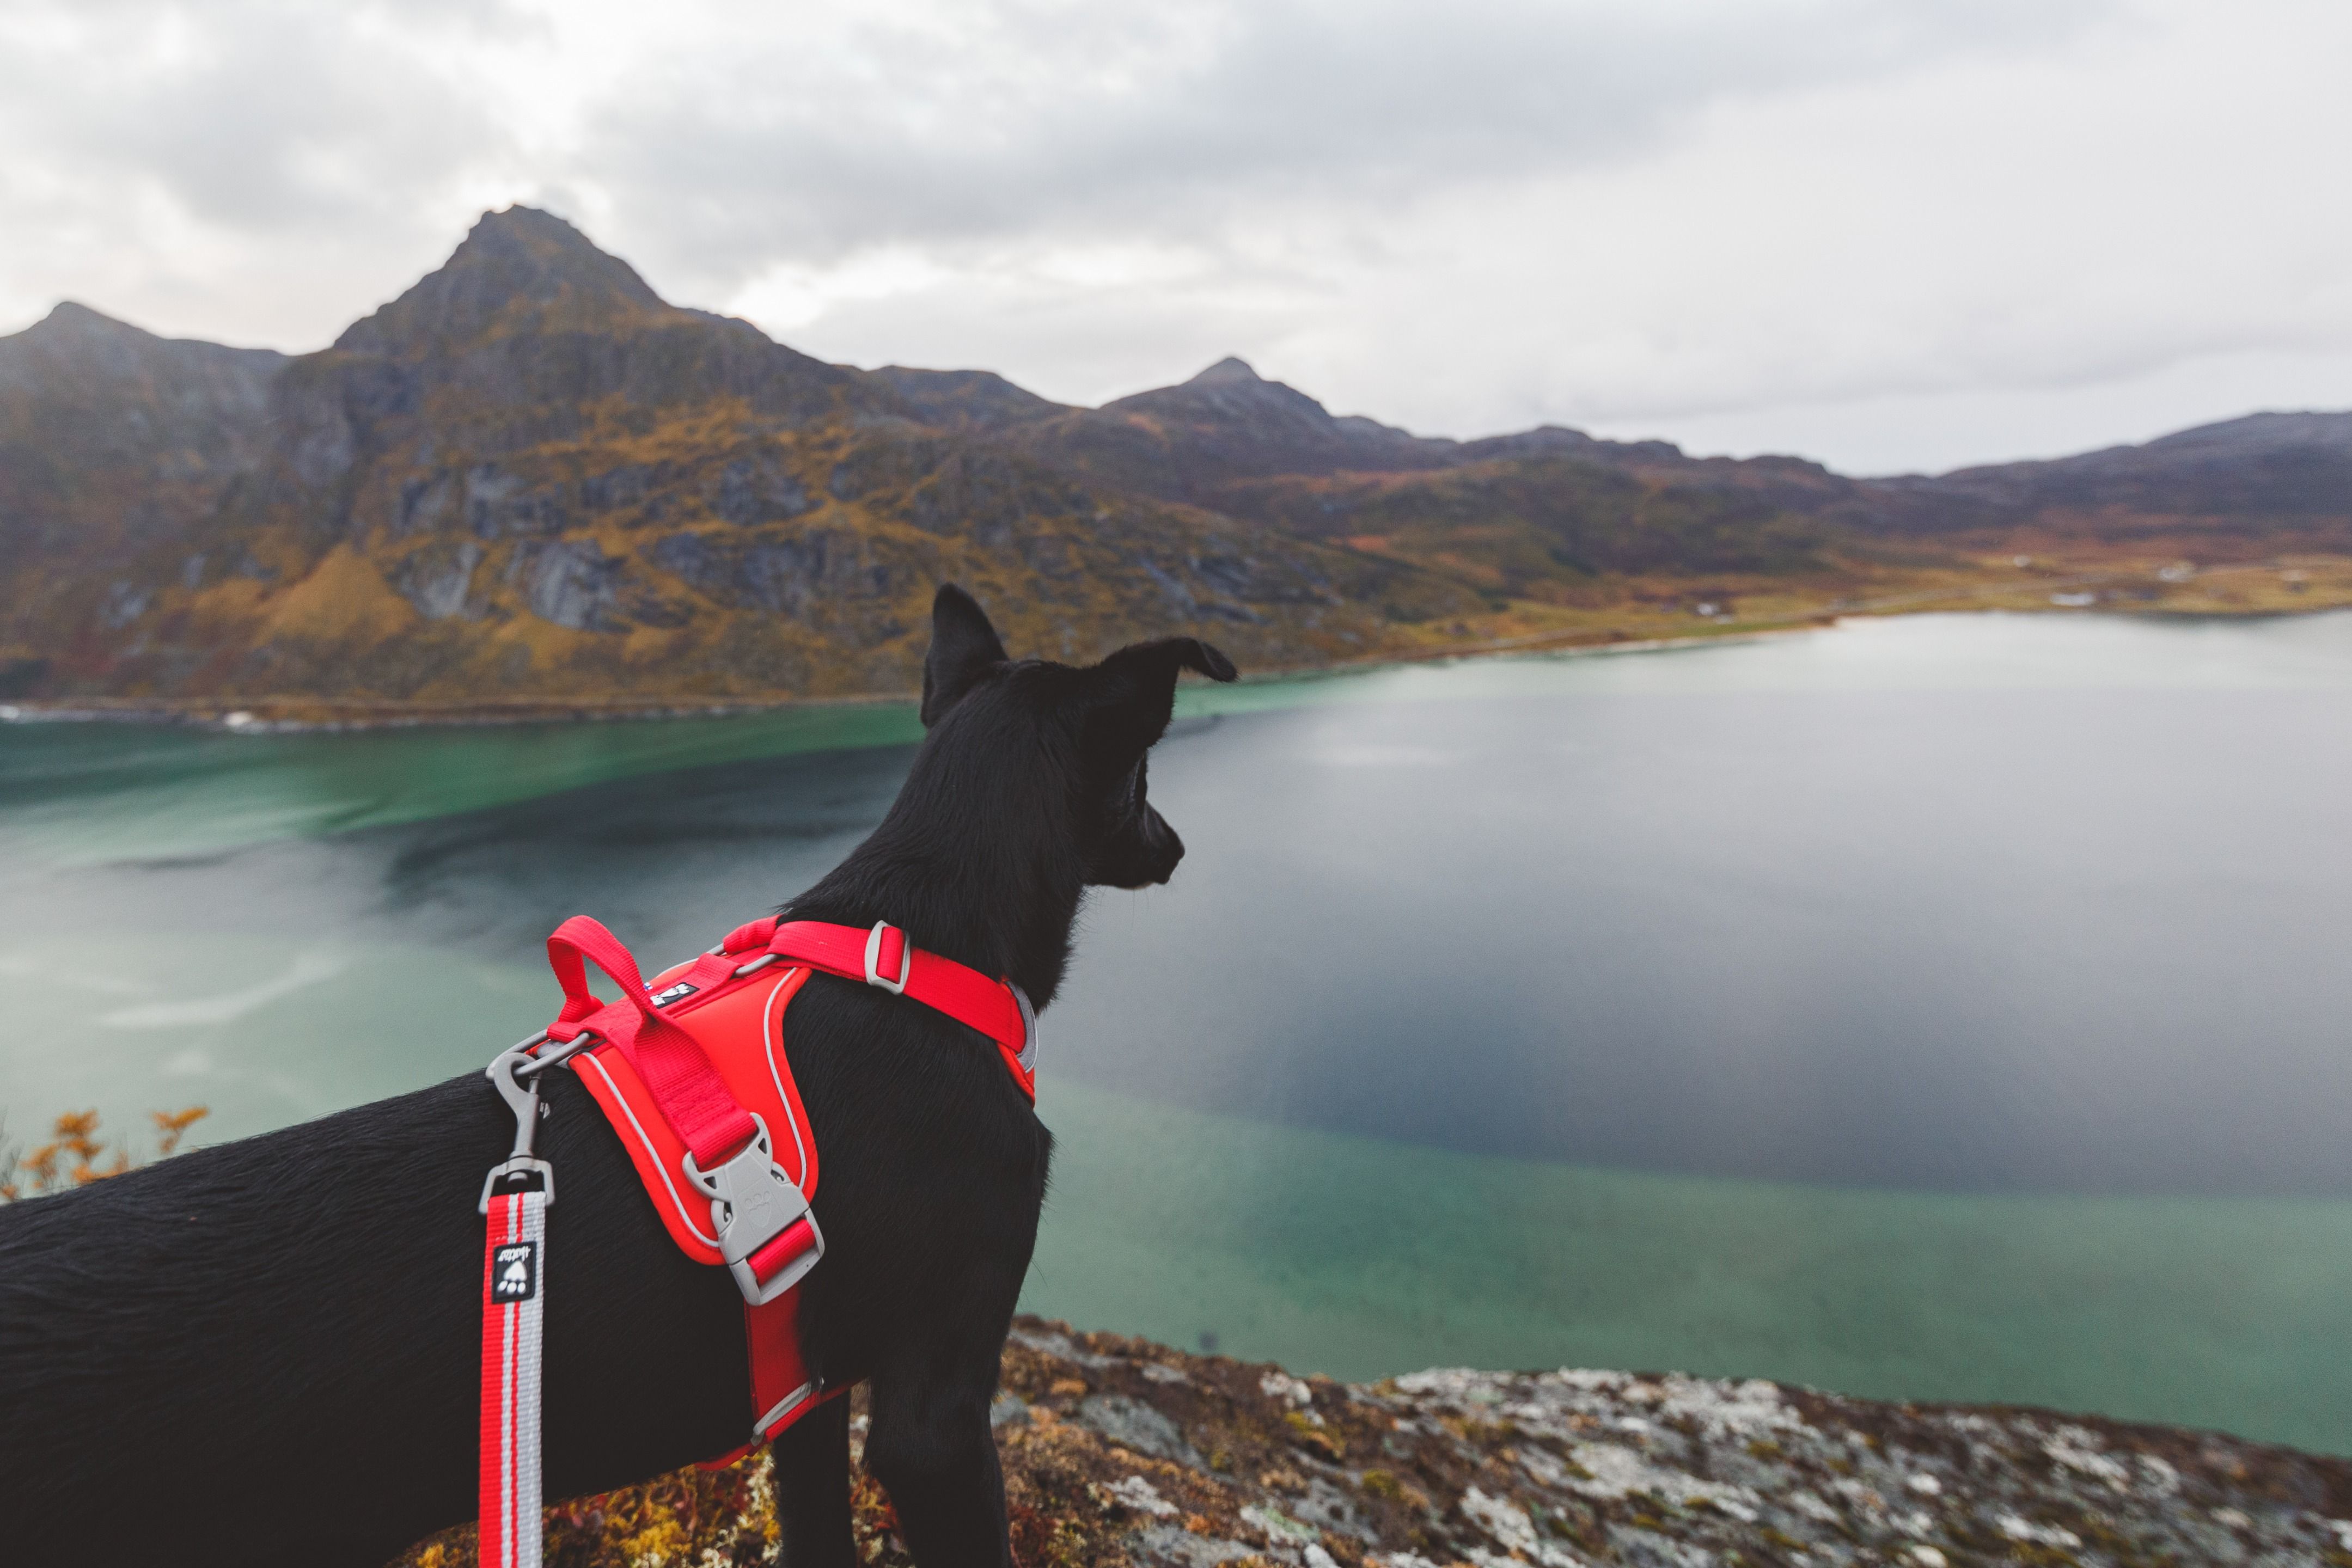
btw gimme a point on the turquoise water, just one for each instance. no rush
(1360, 1257)
(1944, 1008)
(98, 793)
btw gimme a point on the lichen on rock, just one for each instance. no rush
(1120, 1453)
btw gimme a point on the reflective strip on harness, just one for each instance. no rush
(514, 1302)
(742, 1033)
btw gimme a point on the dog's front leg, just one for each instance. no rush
(812, 1475)
(931, 1449)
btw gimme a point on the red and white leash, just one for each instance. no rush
(514, 1305)
(514, 1310)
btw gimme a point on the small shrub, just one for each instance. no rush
(76, 1156)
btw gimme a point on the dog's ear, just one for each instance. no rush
(1132, 694)
(964, 648)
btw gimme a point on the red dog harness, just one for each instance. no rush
(691, 1072)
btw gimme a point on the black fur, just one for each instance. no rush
(267, 1351)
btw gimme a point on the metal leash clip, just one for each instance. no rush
(507, 1070)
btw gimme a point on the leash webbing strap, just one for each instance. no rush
(514, 1299)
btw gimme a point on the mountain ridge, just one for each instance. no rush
(110, 434)
(528, 477)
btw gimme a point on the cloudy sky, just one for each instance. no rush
(1888, 233)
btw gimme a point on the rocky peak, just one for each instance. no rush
(1230, 392)
(1231, 371)
(1229, 417)
(72, 322)
(75, 354)
(74, 335)
(520, 270)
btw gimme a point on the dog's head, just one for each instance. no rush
(1093, 726)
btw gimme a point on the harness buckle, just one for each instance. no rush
(874, 975)
(767, 1233)
(1028, 1028)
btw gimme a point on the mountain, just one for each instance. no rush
(1536, 515)
(2260, 471)
(531, 478)
(110, 436)
(532, 481)
(964, 400)
(1193, 441)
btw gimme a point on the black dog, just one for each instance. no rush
(267, 1351)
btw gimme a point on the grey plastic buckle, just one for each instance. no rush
(753, 1202)
(874, 976)
(1028, 1028)
(779, 1409)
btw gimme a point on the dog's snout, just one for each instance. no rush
(1144, 855)
(1166, 851)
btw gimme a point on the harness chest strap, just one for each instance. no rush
(743, 1027)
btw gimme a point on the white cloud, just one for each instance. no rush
(1891, 234)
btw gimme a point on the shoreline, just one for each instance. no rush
(240, 716)
(247, 715)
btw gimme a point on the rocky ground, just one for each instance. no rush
(1119, 1451)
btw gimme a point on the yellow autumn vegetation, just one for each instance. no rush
(75, 1155)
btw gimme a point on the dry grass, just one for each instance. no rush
(75, 1155)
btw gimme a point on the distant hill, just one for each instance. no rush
(2264, 471)
(529, 478)
(964, 400)
(1193, 441)
(109, 436)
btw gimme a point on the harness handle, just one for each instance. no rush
(680, 1078)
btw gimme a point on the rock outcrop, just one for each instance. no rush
(1117, 1452)
(112, 437)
